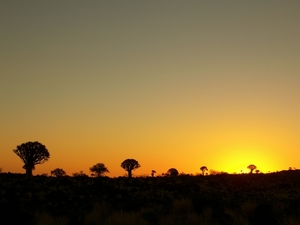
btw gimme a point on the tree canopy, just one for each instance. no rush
(98, 170)
(129, 165)
(251, 167)
(58, 172)
(32, 153)
(153, 172)
(203, 169)
(172, 172)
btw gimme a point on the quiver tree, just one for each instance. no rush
(152, 173)
(32, 153)
(98, 170)
(129, 165)
(203, 169)
(251, 167)
(173, 172)
(58, 172)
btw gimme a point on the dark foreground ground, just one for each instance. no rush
(248, 199)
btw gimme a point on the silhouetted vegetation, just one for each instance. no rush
(58, 172)
(129, 165)
(203, 169)
(152, 173)
(251, 167)
(32, 153)
(173, 198)
(172, 172)
(79, 174)
(241, 199)
(98, 170)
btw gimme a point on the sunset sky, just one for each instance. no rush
(179, 84)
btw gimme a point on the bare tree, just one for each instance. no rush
(203, 169)
(173, 172)
(32, 153)
(251, 167)
(98, 170)
(129, 165)
(58, 172)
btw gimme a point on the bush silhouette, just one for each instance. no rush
(98, 170)
(129, 165)
(172, 172)
(32, 153)
(79, 174)
(58, 172)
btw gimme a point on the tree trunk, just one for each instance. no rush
(28, 171)
(129, 173)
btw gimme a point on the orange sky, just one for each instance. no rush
(170, 84)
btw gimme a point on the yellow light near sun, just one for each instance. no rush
(237, 159)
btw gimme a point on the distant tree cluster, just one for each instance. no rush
(33, 153)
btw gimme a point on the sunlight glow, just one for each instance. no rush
(238, 158)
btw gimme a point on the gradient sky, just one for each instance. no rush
(169, 83)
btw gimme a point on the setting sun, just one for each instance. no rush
(237, 158)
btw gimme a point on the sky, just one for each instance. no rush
(172, 84)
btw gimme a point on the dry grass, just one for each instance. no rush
(122, 218)
(47, 219)
(182, 206)
(247, 208)
(182, 213)
(99, 213)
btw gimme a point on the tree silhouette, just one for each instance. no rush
(214, 172)
(32, 153)
(129, 165)
(58, 172)
(257, 171)
(251, 167)
(80, 174)
(203, 169)
(153, 172)
(98, 170)
(172, 172)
